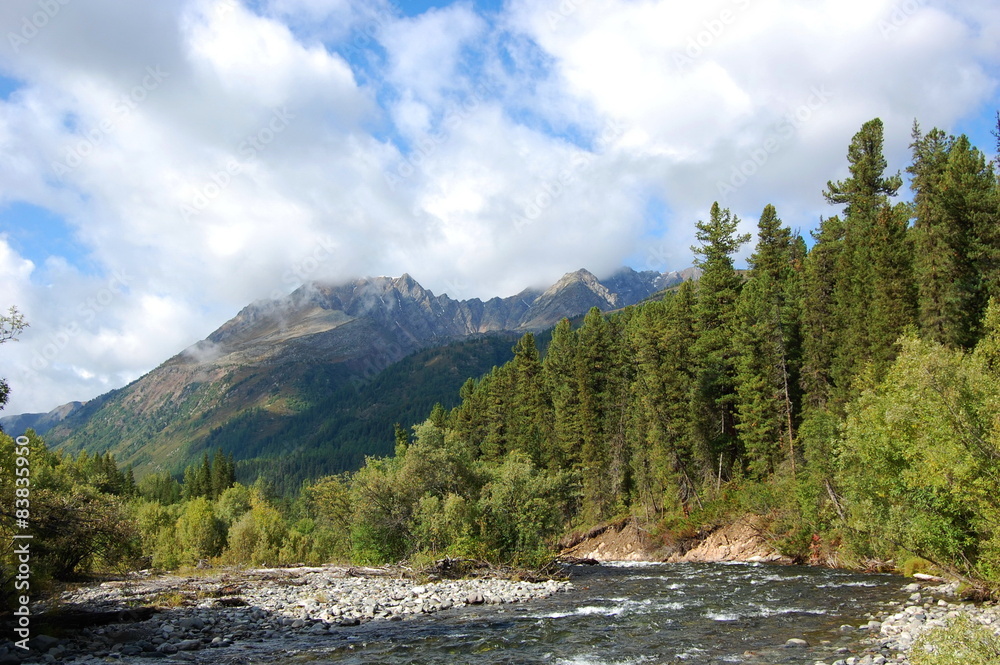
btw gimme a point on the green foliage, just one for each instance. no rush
(962, 640)
(256, 538)
(714, 389)
(521, 511)
(160, 487)
(11, 325)
(200, 534)
(78, 517)
(954, 236)
(873, 292)
(915, 565)
(919, 463)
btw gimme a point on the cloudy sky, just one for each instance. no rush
(165, 163)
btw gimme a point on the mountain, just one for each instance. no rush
(281, 383)
(40, 422)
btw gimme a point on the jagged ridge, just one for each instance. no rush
(276, 359)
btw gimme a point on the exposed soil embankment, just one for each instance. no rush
(743, 540)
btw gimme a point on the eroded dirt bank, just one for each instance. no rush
(743, 540)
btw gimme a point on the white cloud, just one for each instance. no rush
(208, 156)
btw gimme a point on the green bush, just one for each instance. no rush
(256, 538)
(200, 534)
(962, 640)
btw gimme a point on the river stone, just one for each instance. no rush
(192, 622)
(44, 642)
(188, 645)
(167, 648)
(796, 643)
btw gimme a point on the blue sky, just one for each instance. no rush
(164, 164)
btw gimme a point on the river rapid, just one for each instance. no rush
(633, 613)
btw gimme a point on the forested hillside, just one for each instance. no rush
(847, 390)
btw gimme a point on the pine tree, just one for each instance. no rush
(954, 236)
(662, 334)
(593, 372)
(820, 330)
(531, 412)
(874, 297)
(559, 372)
(766, 339)
(679, 370)
(718, 289)
(222, 475)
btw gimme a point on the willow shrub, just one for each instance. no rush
(962, 640)
(919, 462)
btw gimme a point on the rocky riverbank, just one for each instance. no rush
(894, 632)
(225, 616)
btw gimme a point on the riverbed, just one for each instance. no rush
(635, 613)
(612, 614)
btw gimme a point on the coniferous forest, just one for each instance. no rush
(845, 387)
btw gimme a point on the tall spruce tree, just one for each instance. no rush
(594, 360)
(767, 349)
(874, 296)
(713, 398)
(559, 375)
(954, 236)
(531, 412)
(819, 322)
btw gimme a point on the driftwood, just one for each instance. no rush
(449, 568)
(577, 561)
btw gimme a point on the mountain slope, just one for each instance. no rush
(274, 375)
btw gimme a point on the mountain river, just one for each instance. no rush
(634, 613)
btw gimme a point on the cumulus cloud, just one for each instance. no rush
(204, 155)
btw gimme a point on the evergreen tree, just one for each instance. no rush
(874, 297)
(223, 474)
(954, 236)
(678, 372)
(713, 407)
(820, 331)
(531, 417)
(766, 339)
(560, 378)
(593, 369)
(661, 335)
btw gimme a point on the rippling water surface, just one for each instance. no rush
(649, 613)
